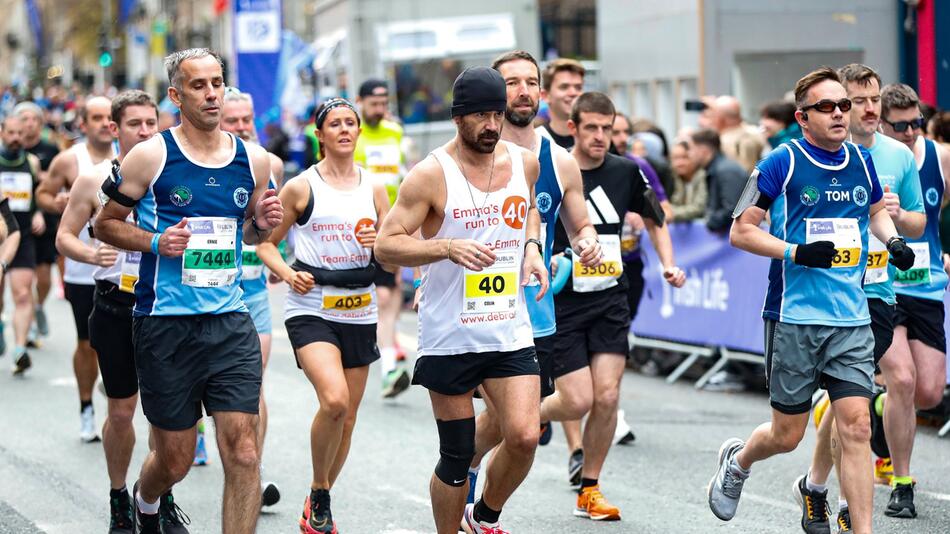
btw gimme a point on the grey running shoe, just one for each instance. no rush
(575, 464)
(725, 488)
(42, 326)
(815, 517)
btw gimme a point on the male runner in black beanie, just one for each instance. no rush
(473, 200)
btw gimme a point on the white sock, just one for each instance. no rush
(387, 359)
(474, 470)
(842, 504)
(820, 488)
(737, 469)
(146, 508)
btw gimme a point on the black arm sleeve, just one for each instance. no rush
(8, 217)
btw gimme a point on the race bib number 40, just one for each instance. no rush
(844, 233)
(494, 289)
(210, 257)
(604, 276)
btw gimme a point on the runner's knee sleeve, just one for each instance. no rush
(456, 450)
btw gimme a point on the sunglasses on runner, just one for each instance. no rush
(828, 106)
(902, 126)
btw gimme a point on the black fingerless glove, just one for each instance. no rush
(901, 256)
(819, 254)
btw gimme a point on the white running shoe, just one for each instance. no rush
(87, 432)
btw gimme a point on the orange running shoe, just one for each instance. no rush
(592, 504)
(316, 517)
(883, 471)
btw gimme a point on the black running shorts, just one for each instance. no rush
(456, 374)
(882, 326)
(544, 347)
(80, 297)
(357, 342)
(46, 252)
(110, 334)
(189, 360)
(923, 319)
(25, 257)
(587, 324)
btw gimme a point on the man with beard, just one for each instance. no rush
(94, 155)
(46, 254)
(379, 150)
(473, 202)
(19, 172)
(559, 185)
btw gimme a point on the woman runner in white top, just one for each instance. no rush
(332, 212)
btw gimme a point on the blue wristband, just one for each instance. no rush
(155, 238)
(788, 252)
(416, 283)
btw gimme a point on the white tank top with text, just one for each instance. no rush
(463, 311)
(328, 241)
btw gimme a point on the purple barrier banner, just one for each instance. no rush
(721, 303)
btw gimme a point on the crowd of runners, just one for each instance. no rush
(523, 243)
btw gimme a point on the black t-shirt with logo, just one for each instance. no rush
(610, 191)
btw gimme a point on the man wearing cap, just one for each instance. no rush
(379, 150)
(473, 203)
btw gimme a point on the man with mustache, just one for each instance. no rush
(18, 180)
(914, 366)
(823, 198)
(93, 155)
(473, 201)
(592, 312)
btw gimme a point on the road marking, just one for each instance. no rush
(933, 495)
(772, 502)
(63, 381)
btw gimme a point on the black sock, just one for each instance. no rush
(588, 482)
(83, 404)
(483, 513)
(116, 493)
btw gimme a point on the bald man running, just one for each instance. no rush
(91, 157)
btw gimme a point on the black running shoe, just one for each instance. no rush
(547, 430)
(120, 509)
(316, 518)
(878, 439)
(21, 363)
(901, 503)
(270, 494)
(844, 521)
(172, 518)
(144, 523)
(575, 464)
(814, 508)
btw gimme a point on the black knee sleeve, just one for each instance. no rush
(456, 450)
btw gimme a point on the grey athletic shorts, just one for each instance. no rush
(801, 358)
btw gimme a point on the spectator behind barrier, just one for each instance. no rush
(739, 140)
(777, 121)
(689, 194)
(725, 179)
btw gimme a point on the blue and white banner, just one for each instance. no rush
(257, 44)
